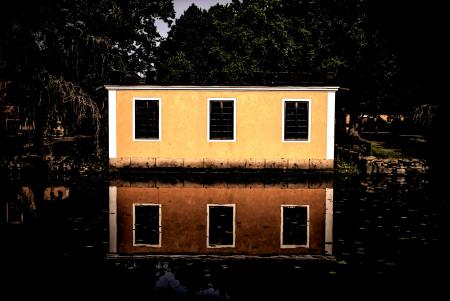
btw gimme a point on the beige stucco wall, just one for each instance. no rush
(258, 126)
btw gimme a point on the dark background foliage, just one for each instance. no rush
(57, 55)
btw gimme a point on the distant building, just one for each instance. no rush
(58, 193)
(221, 127)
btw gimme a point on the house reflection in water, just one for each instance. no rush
(232, 219)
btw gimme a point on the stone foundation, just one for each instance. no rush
(206, 163)
(373, 165)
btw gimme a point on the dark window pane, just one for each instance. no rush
(146, 115)
(221, 120)
(15, 212)
(296, 120)
(146, 227)
(220, 225)
(295, 221)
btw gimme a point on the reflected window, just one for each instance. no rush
(146, 119)
(296, 120)
(147, 225)
(221, 226)
(294, 226)
(222, 114)
(14, 212)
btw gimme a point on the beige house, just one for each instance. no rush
(221, 127)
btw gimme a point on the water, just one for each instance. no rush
(376, 233)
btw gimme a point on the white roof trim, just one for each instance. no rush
(238, 88)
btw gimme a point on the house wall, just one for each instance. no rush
(184, 218)
(184, 130)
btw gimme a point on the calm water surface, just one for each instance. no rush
(376, 232)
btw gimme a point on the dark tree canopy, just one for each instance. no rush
(356, 44)
(59, 54)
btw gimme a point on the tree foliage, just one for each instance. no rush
(59, 54)
(351, 43)
(247, 40)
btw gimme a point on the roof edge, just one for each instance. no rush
(237, 88)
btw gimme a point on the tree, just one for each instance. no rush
(356, 44)
(263, 42)
(60, 53)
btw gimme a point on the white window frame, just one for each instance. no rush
(283, 246)
(234, 226)
(209, 117)
(309, 119)
(159, 118)
(134, 225)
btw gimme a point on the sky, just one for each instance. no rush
(180, 6)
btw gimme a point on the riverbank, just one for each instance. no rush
(384, 154)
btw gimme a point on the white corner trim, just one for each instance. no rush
(282, 245)
(309, 120)
(329, 221)
(330, 125)
(112, 123)
(134, 225)
(112, 219)
(222, 88)
(159, 121)
(234, 119)
(207, 226)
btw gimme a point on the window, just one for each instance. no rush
(296, 120)
(147, 225)
(147, 119)
(220, 226)
(294, 226)
(14, 212)
(221, 119)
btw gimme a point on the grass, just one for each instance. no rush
(379, 150)
(385, 146)
(346, 168)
